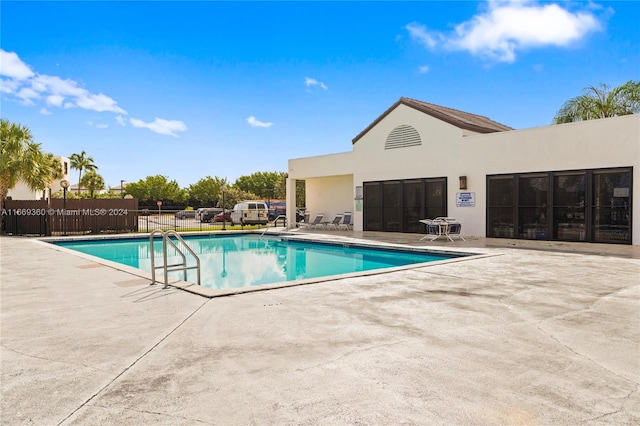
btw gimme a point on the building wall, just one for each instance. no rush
(447, 152)
(22, 192)
(331, 195)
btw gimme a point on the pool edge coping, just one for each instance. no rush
(210, 293)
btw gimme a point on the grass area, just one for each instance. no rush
(203, 228)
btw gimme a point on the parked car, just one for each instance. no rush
(250, 213)
(226, 216)
(199, 214)
(204, 214)
(184, 214)
(209, 214)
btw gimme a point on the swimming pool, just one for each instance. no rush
(249, 260)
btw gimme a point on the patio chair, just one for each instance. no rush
(304, 221)
(434, 229)
(317, 222)
(346, 222)
(453, 230)
(335, 222)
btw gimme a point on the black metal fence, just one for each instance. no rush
(167, 219)
(69, 217)
(80, 217)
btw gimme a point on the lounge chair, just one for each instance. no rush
(317, 222)
(346, 222)
(304, 221)
(335, 222)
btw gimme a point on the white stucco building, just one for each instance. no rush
(22, 192)
(568, 182)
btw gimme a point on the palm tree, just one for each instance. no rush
(92, 181)
(601, 102)
(82, 162)
(50, 172)
(21, 159)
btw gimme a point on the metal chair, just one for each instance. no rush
(335, 222)
(317, 222)
(346, 222)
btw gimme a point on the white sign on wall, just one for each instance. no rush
(466, 199)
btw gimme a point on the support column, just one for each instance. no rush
(291, 202)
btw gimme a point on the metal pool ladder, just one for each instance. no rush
(182, 266)
(274, 221)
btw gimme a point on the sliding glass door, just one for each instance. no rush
(399, 205)
(579, 205)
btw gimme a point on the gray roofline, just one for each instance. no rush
(461, 119)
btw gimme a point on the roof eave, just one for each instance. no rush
(431, 112)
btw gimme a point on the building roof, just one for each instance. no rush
(464, 120)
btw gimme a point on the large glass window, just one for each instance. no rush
(436, 198)
(412, 206)
(581, 205)
(533, 207)
(611, 207)
(373, 206)
(391, 207)
(501, 202)
(398, 206)
(569, 207)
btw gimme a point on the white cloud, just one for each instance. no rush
(55, 100)
(161, 126)
(510, 26)
(420, 33)
(23, 85)
(253, 122)
(12, 67)
(27, 95)
(423, 69)
(100, 103)
(26, 86)
(312, 82)
(97, 125)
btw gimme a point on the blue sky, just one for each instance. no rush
(196, 89)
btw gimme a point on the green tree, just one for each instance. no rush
(21, 159)
(49, 173)
(92, 181)
(234, 195)
(154, 188)
(206, 192)
(301, 193)
(82, 162)
(264, 184)
(601, 102)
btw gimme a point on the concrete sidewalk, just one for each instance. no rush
(534, 335)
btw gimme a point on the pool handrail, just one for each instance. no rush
(182, 266)
(274, 221)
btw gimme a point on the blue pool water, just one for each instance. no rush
(252, 260)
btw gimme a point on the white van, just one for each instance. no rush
(250, 213)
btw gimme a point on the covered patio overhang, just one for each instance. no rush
(328, 185)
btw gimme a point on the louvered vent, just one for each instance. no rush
(402, 137)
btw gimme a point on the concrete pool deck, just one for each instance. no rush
(540, 333)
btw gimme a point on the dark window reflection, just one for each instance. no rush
(500, 210)
(612, 206)
(569, 207)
